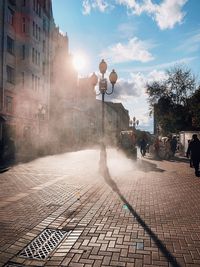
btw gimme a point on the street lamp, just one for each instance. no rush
(103, 85)
(135, 122)
(130, 123)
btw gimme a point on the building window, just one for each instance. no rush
(10, 74)
(36, 53)
(33, 28)
(43, 68)
(35, 88)
(39, 83)
(23, 79)
(34, 5)
(23, 52)
(44, 25)
(33, 81)
(23, 24)
(9, 104)
(37, 7)
(10, 45)
(44, 46)
(10, 17)
(33, 55)
(36, 32)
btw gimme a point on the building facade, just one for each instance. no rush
(63, 93)
(25, 45)
(43, 104)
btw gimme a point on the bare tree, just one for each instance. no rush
(181, 84)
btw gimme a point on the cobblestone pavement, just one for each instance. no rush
(112, 211)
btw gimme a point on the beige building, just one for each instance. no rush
(42, 102)
(63, 94)
(25, 28)
(89, 118)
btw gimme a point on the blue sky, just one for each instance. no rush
(140, 39)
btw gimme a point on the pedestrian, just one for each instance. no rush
(157, 147)
(194, 151)
(143, 145)
(173, 145)
(189, 156)
(168, 151)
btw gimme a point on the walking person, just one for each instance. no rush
(168, 150)
(173, 145)
(157, 147)
(189, 156)
(143, 145)
(194, 151)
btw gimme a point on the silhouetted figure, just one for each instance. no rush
(143, 145)
(173, 145)
(157, 147)
(189, 156)
(168, 149)
(194, 151)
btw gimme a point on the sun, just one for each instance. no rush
(79, 61)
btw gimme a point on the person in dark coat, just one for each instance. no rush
(173, 145)
(194, 152)
(143, 145)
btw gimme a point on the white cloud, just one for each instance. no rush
(86, 7)
(191, 43)
(126, 30)
(156, 75)
(132, 93)
(100, 5)
(134, 50)
(159, 66)
(170, 13)
(167, 14)
(140, 80)
(134, 88)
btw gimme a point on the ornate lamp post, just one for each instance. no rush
(130, 123)
(103, 85)
(135, 122)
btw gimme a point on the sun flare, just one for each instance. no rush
(79, 61)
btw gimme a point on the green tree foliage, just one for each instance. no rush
(168, 100)
(180, 84)
(194, 107)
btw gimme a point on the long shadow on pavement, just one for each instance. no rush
(146, 166)
(180, 159)
(173, 159)
(103, 168)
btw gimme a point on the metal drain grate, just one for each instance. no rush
(43, 244)
(12, 264)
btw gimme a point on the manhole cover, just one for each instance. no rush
(43, 244)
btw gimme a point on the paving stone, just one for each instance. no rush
(162, 215)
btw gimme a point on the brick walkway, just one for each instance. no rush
(117, 212)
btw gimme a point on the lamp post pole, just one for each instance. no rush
(103, 88)
(103, 114)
